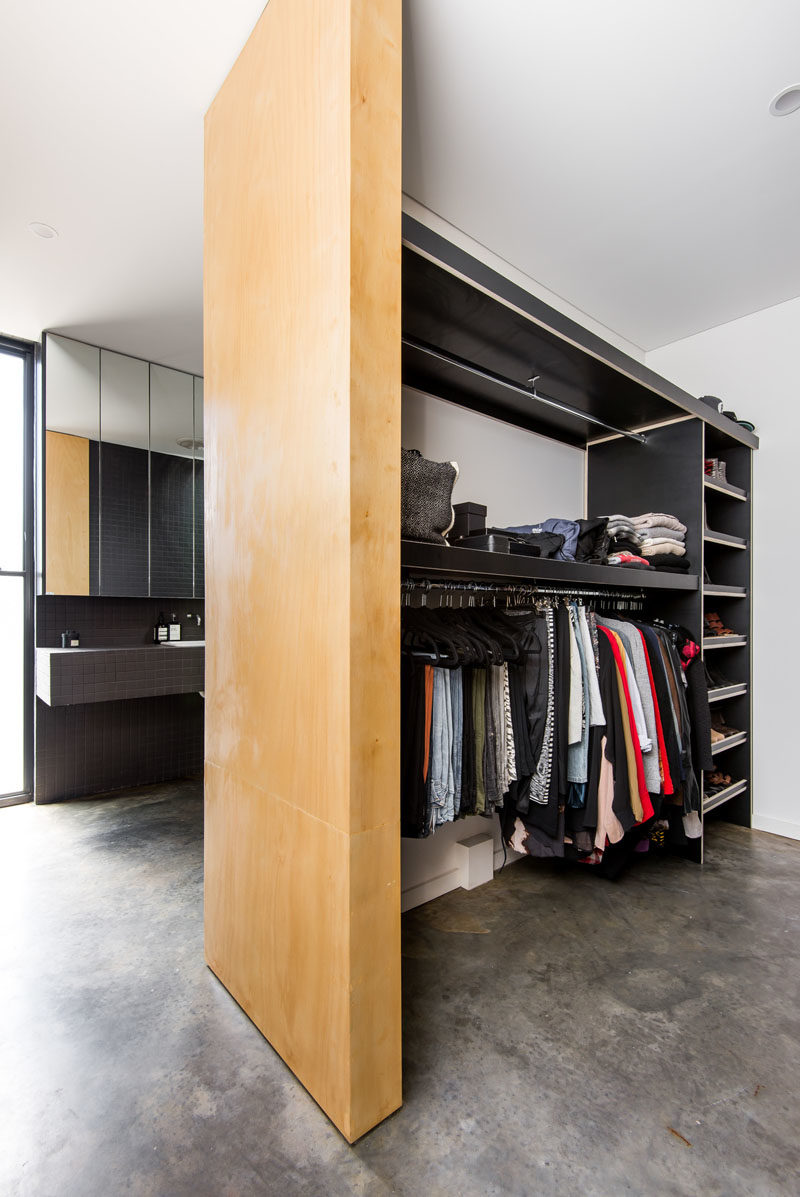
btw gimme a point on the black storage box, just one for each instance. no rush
(470, 521)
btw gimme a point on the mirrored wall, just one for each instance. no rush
(123, 474)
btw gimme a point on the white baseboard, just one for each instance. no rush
(776, 826)
(429, 889)
(434, 887)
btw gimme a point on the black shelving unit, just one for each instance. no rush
(727, 562)
(473, 337)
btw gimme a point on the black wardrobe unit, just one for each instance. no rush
(474, 338)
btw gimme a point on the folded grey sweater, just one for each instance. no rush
(657, 519)
(651, 547)
(661, 533)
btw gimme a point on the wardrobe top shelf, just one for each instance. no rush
(433, 559)
(457, 304)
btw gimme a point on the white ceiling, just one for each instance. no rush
(102, 137)
(622, 154)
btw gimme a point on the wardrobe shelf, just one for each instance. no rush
(728, 742)
(728, 542)
(718, 591)
(732, 791)
(456, 303)
(725, 488)
(723, 642)
(720, 693)
(477, 563)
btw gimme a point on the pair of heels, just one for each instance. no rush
(714, 626)
(717, 780)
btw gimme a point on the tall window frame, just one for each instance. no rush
(28, 352)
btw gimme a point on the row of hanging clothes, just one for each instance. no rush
(580, 724)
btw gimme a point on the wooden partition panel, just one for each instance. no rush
(67, 513)
(302, 439)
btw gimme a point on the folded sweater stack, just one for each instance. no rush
(624, 542)
(662, 539)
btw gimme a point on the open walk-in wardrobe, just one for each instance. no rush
(322, 303)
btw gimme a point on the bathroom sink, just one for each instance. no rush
(183, 644)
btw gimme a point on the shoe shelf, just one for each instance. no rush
(712, 801)
(728, 742)
(722, 538)
(714, 590)
(720, 693)
(723, 642)
(725, 488)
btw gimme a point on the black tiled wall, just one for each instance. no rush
(94, 517)
(95, 747)
(123, 520)
(199, 531)
(107, 622)
(170, 524)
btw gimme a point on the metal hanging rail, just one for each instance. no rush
(514, 594)
(529, 391)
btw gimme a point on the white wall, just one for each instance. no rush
(752, 364)
(522, 478)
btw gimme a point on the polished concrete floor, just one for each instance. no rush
(563, 1035)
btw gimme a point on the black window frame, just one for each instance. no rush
(28, 351)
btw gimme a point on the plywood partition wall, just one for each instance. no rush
(302, 438)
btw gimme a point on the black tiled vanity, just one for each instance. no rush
(73, 676)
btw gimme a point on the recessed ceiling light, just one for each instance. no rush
(42, 230)
(786, 101)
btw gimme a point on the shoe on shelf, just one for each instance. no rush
(721, 727)
(717, 779)
(714, 626)
(716, 679)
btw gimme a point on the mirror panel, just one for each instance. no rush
(199, 489)
(171, 482)
(72, 437)
(123, 505)
(124, 488)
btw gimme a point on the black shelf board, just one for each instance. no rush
(712, 801)
(459, 304)
(719, 590)
(723, 642)
(433, 559)
(725, 488)
(724, 539)
(721, 693)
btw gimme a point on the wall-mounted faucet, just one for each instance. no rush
(194, 615)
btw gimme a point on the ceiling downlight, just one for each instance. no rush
(43, 230)
(786, 101)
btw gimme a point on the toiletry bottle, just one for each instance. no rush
(162, 631)
(174, 628)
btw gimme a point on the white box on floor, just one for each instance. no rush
(476, 860)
